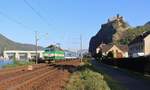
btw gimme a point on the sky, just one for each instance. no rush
(64, 21)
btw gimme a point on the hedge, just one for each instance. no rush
(140, 64)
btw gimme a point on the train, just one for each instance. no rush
(53, 53)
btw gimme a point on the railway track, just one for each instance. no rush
(17, 71)
(42, 77)
(35, 83)
(12, 81)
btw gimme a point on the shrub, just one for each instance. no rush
(87, 80)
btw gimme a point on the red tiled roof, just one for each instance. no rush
(106, 47)
(124, 48)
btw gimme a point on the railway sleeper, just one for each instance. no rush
(20, 79)
(29, 83)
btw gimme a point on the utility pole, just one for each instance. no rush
(36, 44)
(81, 48)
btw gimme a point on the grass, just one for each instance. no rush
(113, 84)
(87, 79)
(18, 63)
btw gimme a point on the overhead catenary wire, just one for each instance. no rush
(36, 12)
(14, 20)
(19, 23)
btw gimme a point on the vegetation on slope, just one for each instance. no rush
(7, 44)
(87, 79)
(131, 33)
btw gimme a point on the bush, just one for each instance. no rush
(87, 80)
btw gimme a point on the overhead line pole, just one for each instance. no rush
(36, 44)
(81, 48)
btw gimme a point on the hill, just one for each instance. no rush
(7, 44)
(131, 33)
(116, 31)
(110, 32)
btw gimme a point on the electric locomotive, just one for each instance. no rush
(53, 53)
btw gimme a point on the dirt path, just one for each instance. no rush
(130, 82)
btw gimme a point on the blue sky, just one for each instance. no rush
(66, 19)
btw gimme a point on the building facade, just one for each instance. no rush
(120, 51)
(21, 55)
(140, 46)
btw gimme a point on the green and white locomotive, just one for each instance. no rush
(53, 53)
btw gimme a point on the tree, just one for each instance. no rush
(110, 54)
(98, 56)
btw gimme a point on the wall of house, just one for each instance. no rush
(116, 51)
(147, 45)
(126, 54)
(136, 48)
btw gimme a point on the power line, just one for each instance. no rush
(14, 20)
(21, 24)
(36, 12)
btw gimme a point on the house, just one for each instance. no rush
(140, 46)
(119, 51)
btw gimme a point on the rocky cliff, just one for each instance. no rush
(110, 32)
